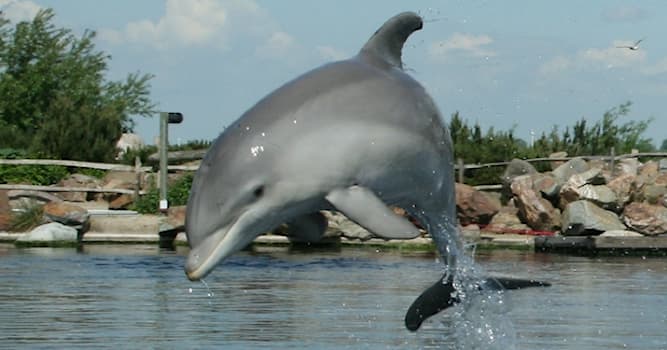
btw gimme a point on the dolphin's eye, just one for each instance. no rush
(259, 191)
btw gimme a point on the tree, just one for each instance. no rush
(54, 99)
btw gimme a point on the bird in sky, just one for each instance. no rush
(633, 47)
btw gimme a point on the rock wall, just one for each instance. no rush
(585, 198)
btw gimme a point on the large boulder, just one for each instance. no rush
(655, 191)
(589, 186)
(648, 219)
(569, 168)
(556, 163)
(624, 187)
(627, 166)
(474, 207)
(546, 185)
(584, 218)
(67, 214)
(534, 210)
(19, 198)
(124, 180)
(340, 225)
(507, 219)
(5, 211)
(515, 168)
(78, 180)
(175, 219)
(49, 234)
(648, 172)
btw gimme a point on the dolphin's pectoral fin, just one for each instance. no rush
(362, 206)
(442, 295)
(307, 228)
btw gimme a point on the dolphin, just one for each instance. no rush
(355, 136)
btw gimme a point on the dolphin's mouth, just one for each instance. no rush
(202, 259)
(220, 244)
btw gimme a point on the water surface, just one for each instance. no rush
(138, 297)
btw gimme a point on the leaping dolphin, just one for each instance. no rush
(354, 136)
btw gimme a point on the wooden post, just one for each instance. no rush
(461, 169)
(613, 158)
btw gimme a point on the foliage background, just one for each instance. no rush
(54, 99)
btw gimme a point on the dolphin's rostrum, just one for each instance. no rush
(354, 136)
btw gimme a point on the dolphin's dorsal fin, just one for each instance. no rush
(387, 42)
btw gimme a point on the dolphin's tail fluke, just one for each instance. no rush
(442, 295)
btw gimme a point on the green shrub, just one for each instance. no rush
(177, 194)
(32, 174)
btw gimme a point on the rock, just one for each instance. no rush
(620, 233)
(78, 180)
(569, 168)
(123, 201)
(535, 211)
(507, 218)
(582, 218)
(545, 184)
(4, 202)
(339, 225)
(648, 172)
(662, 165)
(473, 207)
(653, 194)
(67, 214)
(556, 163)
(516, 167)
(600, 195)
(17, 198)
(125, 180)
(175, 219)
(627, 166)
(624, 187)
(5, 211)
(5, 221)
(648, 219)
(470, 233)
(52, 233)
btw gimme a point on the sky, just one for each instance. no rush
(523, 65)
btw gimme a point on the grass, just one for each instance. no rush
(29, 216)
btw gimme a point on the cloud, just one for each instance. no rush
(656, 69)
(278, 45)
(185, 23)
(555, 65)
(624, 14)
(330, 53)
(613, 57)
(17, 10)
(596, 58)
(465, 44)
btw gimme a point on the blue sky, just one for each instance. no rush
(527, 65)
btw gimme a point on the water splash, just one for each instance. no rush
(479, 320)
(210, 293)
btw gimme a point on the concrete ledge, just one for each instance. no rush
(601, 244)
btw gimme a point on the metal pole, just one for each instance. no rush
(164, 144)
(461, 169)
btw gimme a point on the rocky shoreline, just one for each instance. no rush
(583, 204)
